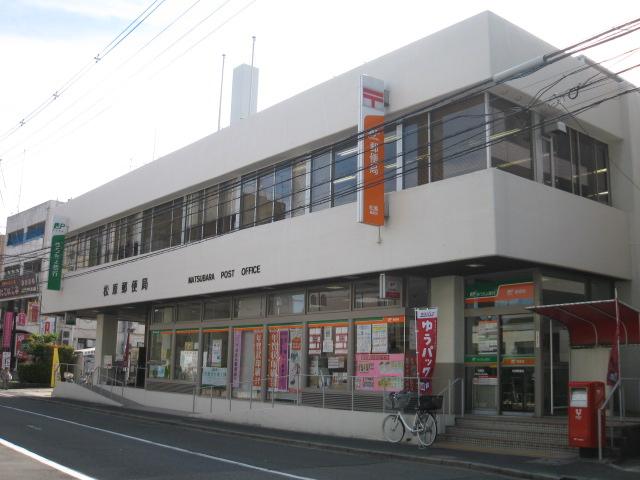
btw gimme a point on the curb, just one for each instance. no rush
(435, 460)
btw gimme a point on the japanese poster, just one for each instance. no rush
(283, 361)
(426, 341)
(379, 338)
(237, 355)
(363, 339)
(258, 342)
(377, 372)
(342, 344)
(327, 341)
(295, 357)
(315, 341)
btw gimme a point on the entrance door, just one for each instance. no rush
(481, 363)
(517, 364)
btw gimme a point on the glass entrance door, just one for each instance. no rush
(517, 364)
(481, 363)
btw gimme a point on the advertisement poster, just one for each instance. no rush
(295, 357)
(34, 312)
(283, 361)
(377, 372)
(274, 354)
(342, 340)
(426, 340)
(315, 341)
(22, 319)
(6, 359)
(379, 338)
(216, 352)
(258, 342)
(189, 362)
(215, 376)
(237, 355)
(327, 341)
(20, 339)
(7, 330)
(363, 338)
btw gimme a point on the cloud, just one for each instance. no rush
(124, 9)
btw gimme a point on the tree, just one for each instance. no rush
(40, 349)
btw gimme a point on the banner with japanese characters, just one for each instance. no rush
(258, 343)
(426, 341)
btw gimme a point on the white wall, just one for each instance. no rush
(485, 213)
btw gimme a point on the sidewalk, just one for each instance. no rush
(518, 466)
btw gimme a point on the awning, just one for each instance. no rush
(594, 323)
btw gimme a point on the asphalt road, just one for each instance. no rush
(106, 446)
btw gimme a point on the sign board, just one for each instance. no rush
(7, 330)
(23, 285)
(426, 341)
(56, 257)
(390, 286)
(371, 152)
(6, 359)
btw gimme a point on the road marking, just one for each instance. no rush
(162, 445)
(34, 427)
(46, 461)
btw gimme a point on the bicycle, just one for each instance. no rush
(425, 426)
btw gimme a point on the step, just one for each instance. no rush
(504, 424)
(541, 447)
(552, 439)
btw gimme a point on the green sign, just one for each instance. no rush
(480, 359)
(55, 262)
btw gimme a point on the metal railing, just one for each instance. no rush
(601, 413)
(448, 393)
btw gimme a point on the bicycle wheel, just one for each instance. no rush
(393, 428)
(427, 428)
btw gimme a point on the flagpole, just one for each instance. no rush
(618, 334)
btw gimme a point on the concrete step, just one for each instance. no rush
(552, 439)
(506, 424)
(507, 445)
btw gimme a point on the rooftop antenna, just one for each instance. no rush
(253, 50)
(221, 83)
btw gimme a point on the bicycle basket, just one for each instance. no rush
(398, 401)
(430, 402)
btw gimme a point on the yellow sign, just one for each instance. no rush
(55, 365)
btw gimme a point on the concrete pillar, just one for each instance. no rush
(106, 337)
(447, 294)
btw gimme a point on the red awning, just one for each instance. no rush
(594, 323)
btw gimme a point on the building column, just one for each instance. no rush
(447, 294)
(106, 337)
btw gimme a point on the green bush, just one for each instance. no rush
(34, 373)
(40, 350)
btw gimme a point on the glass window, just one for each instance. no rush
(229, 208)
(83, 254)
(15, 238)
(518, 335)
(248, 212)
(95, 246)
(145, 237)
(33, 267)
(195, 213)
(247, 307)
(110, 243)
(264, 207)
(164, 314)
(160, 354)
(415, 151)
(210, 211)
(321, 182)
(329, 298)
(214, 359)
(300, 189)
(161, 233)
(562, 290)
(344, 175)
(12, 271)
(417, 291)
(391, 160)
(218, 308)
(282, 203)
(510, 138)
(186, 358)
(366, 295)
(177, 226)
(602, 172)
(284, 360)
(70, 253)
(134, 228)
(35, 231)
(189, 312)
(328, 351)
(587, 167)
(482, 338)
(562, 162)
(458, 138)
(286, 303)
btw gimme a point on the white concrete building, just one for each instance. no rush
(242, 255)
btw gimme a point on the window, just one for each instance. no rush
(282, 193)
(32, 267)
(391, 160)
(299, 185)
(563, 176)
(288, 303)
(562, 290)
(344, 175)
(210, 211)
(458, 139)
(229, 208)
(248, 205)
(247, 307)
(94, 237)
(366, 295)
(602, 172)
(587, 167)
(12, 271)
(189, 312)
(328, 350)
(415, 151)
(329, 298)
(161, 230)
(510, 138)
(264, 205)
(160, 354)
(214, 359)
(321, 182)
(15, 238)
(70, 251)
(194, 217)
(218, 308)
(177, 226)
(186, 358)
(164, 314)
(35, 231)
(145, 236)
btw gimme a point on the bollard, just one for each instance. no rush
(211, 399)
(352, 388)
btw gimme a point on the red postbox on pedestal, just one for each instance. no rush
(585, 400)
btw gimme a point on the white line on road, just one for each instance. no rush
(46, 461)
(162, 445)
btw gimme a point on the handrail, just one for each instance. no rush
(600, 410)
(448, 390)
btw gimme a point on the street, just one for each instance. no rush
(104, 445)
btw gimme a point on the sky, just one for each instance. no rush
(158, 89)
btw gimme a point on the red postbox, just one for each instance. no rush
(585, 400)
